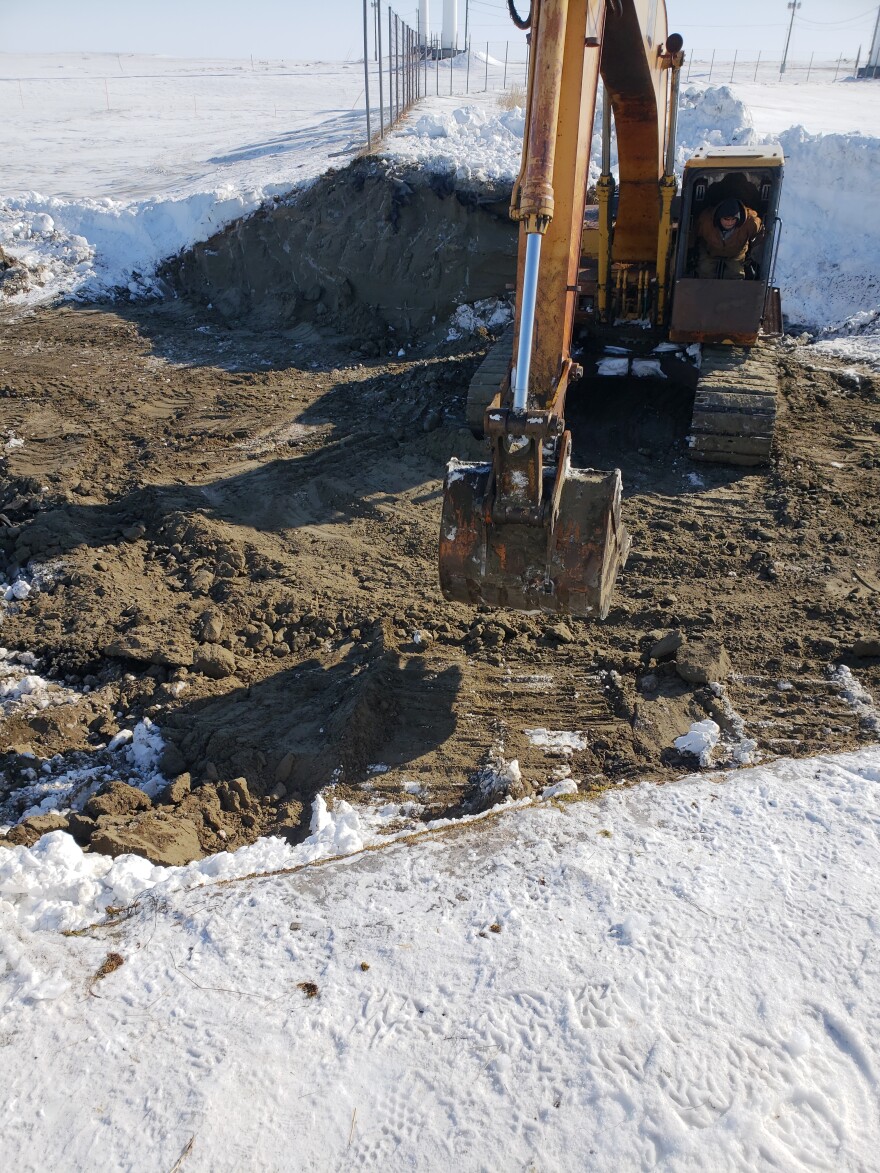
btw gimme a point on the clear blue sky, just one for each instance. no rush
(332, 29)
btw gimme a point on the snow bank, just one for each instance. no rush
(469, 142)
(54, 885)
(91, 247)
(829, 259)
(711, 117)
(476, 142)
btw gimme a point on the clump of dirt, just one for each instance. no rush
(377, 251)
(233, 535)
(14, 277)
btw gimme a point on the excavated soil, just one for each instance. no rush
(385, 253)
(236, 537)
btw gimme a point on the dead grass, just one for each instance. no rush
(109, 965)
(510, 99)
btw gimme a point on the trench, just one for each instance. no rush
(377, 253)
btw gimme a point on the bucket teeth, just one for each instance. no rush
(568, 567)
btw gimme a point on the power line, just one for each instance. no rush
(846, 20)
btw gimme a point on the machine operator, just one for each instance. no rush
(724, 235)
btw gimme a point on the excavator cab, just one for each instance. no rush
(717, 310)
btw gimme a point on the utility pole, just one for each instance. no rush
(794, 5)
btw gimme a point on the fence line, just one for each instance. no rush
(740, 68)
(399, 71)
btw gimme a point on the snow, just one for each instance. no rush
(859, 699)
(100, 185)
(684, 976)
(487, 314)
(557, 741)
(700, 740)
(841, 107)
(22, 689)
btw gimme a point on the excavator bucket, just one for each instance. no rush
(567, 565)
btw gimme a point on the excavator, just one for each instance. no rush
(526, 530)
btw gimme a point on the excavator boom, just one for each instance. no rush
(527, 530)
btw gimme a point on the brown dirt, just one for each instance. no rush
(383, 252)
(255, 515)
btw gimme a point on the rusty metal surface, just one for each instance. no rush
(771, 326)
(568, 568)
(636, 83)
(716, 310)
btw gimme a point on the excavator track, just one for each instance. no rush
(735, 405)
(487, 379)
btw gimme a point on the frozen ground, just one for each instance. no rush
(683, 977)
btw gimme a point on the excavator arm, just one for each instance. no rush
(527, 530)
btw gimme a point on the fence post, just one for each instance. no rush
(858, 59)
(452, 49)
(506, 49)
(379, 51)
(396, 67)
(711, 67)
(437, 63)
(367, 75)
(810, 66)
(690, 63)
(757, 63)
(467, 68)
(487, 67)
(837, 70)
(733, 67)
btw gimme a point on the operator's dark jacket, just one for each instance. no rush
(737, 243)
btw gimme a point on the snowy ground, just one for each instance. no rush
(683, 977)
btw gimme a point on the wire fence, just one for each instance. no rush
(407, 66)
(726, 68)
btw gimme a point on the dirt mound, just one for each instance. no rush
(377, 252)
(233, 536)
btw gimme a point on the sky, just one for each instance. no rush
(333, 29)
